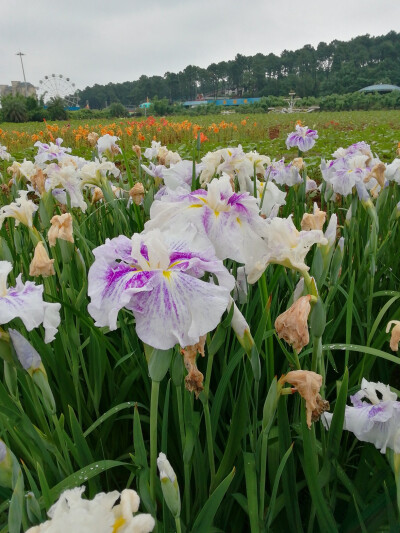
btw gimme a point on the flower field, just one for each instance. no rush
(199, 325)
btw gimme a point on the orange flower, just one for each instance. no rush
(203, 138)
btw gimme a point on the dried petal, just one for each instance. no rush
(14, 169)
(97, 195)
(41, 264)
(138, 151)
(292, 324)
(92, 138)
(38, 180)
(61, 229)
(298, 162)
(377, 172)
(395, 334)
(137, 193)
(194, 379)
(308, 384)
(322, 406)
(314, 221)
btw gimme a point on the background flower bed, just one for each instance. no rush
(263, 132)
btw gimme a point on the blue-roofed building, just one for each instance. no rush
(221, 101)
(379, 88)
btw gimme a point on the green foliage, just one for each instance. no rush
(14, 109)
(117, 110)
(56, 109)
(21, 109)
(331, 68)
(87, 114)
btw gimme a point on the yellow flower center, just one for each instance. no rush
(118, 523)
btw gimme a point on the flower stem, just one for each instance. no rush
(207, 418)
(209, 437)
(178, 524)
(155, 389)
(317, 361)
(269, 346)
(373, 248)
(186, 492)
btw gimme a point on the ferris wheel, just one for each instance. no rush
(58, 86)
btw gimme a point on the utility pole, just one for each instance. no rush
(20, 54)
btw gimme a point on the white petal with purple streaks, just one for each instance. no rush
(26, 302)
(158, 281)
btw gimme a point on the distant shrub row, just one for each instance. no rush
(21, 109)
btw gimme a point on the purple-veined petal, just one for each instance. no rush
(179, 309)
(111, 287)
(158, 283)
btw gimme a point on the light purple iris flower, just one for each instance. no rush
(175, 176)
(155, 171)
(49, 152)
(26, 302)
(376, 420)
(283, 174)
(356, 149)
(230, 220)
(352, 170)
(181, 175)
(157, 277)
(344, 174)
(303, 138)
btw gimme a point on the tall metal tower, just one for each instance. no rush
(20, 54)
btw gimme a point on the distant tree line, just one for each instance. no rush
(21, 109)
(335, 68)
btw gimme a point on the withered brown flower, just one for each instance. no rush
(292, 324)
(138, 151)
(41, 264)
(194, 378)
(61, 229)
(308, 384)
(137, 193)
(313, 221)
(395, 334)
(92, 138)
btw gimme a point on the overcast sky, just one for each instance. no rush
(98, 41)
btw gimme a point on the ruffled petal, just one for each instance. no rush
(51, 320)
(24, 301)
(179, 309)
(111, 287)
